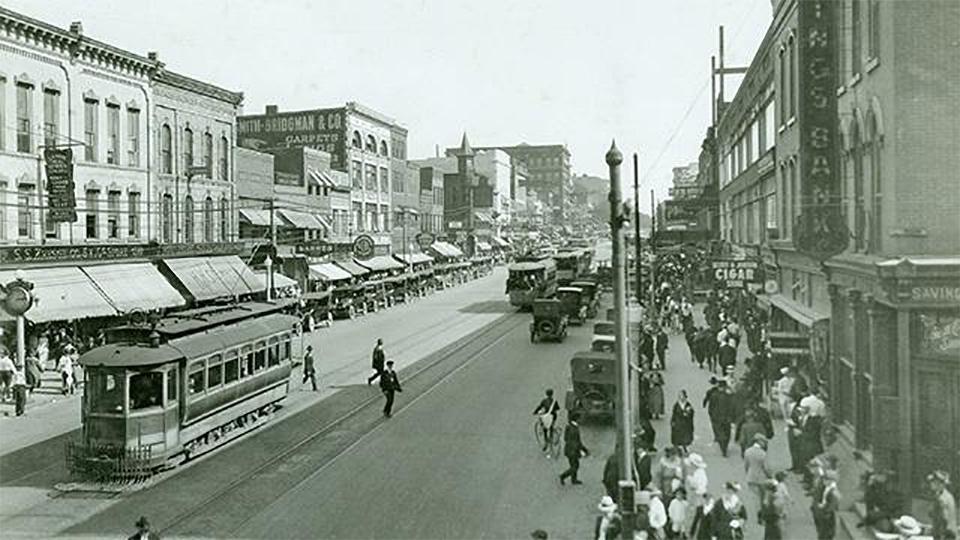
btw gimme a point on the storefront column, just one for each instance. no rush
(905, 432)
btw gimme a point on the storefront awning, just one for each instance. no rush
(380, 263)
(321, 178)
(800, 313)
(499, 242)
(62, 294)
(280, 281)
(300, 220)
(483, 246)
(134, 286)
(323, 221)
(206, 278)
(329, 272)
(446, 249)
(254, 216)
(353, 268)
(414, 258)
(484, 217)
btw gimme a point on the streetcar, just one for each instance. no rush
(159, 393)
(568, 266)
(531, 278)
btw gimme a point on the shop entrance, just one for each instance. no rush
(937, 414)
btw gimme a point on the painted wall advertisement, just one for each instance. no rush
(821, 231)
(322, 129)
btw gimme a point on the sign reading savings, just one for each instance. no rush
(735, 273)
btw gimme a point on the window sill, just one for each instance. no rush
(872, 64)
(27, 241)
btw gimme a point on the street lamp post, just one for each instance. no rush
(624, 425)
(18, 299)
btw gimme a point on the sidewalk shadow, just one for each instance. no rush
(490, 306)
(39, 465)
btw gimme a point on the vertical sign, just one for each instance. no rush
(62, 201)
(820, 231)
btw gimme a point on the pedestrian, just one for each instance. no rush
(720, 405)
(573, 449)
(727, 355)
(782, 492)
(669, 468)
(784, 391)
(19, 390)
(65, 368)
(657, 513)
(6, 375)
(143, 531)
(728, 514)
(696, 482)
(377, 363)
(641, 523)
(681, 422)
(389, 385)
(43, 352)
(607, 525)
(677, 515)
(611, 475)
(771, 512)
(702, 526)
(644, 466)
(662, 343)
(756, 468)
(655, 399)
(944, 512)
(748, 430)
(309, 371)
(824, 508)
(34, 373)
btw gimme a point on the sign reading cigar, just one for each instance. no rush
(61, 199)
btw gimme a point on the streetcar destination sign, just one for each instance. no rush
(735, 273)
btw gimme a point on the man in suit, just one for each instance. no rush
(755, 465)
(378, 358)
(389, 385)
(309, 372)
(574, 449)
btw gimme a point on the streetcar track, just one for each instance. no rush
(200, 507)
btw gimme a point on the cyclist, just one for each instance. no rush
(548, 406)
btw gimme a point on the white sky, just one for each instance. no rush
(578, 72)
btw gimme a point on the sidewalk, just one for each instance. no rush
(410, 332)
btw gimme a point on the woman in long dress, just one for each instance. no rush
(728, 515)
(655, 396)
(681, 422)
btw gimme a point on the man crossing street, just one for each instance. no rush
(573, 449)
(377, 363)
(389, 385)
(309, 371)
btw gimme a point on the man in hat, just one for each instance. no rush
(309, 371)
(607, 524)
(755, 466)
(377, 361)
(573, 449)
(784, 389)
(389, 385)
(825, 506)
(944, 513)
(143, 531)
(908, 527)
(719, 401)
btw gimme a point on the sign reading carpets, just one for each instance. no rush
(62, 200)
(820, 231)
(322, 129)
(363, 247)
(735, 273)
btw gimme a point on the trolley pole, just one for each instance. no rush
(636, 224)
(273, 249)
(653, 265)
(624, 425)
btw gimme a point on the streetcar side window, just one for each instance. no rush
(197, 371)
(287, 349)
(273, 352)
(231, 367)
(172, 376)
(260, 357)
(146, 390)
(246, 361)
(214, 371)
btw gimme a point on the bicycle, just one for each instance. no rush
(541, 428)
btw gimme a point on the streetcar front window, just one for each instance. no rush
(146, 390)
(105, 391)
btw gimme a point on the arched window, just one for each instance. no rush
(166, 219)
(166, 150)
(371, 144)
(188, 219)
(208, 153)
(876, 185)
(224, 152)
(187, 148)
(792, 76)
(208, 219)
(224, 220)
(356, 141)
(383, 149)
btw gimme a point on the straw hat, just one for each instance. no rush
(607, 504)
(907, 525)
(696, 460)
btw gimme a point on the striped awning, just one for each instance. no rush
(380, 263)
(446, 249)
(300, 220)
(321, 178)
(255, 216)
(414, 258)
(329, 272)
(323, 221)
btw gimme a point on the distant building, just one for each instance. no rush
(359, 141)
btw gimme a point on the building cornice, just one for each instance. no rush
(183, 82)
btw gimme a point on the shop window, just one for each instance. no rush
(214, 371)
(196, 378)
(231, 367)
(146, 390)
(172, 385)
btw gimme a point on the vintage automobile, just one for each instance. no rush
(591, 296)
(571, 301)
(343, 301)
(594, 378)
(549, 320)
(603, 343)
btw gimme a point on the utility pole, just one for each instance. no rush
(273, 249)
(636, 222)
(653, 258)
(624, 425)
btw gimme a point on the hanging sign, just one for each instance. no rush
(363, 247)
(735, 273)
(62, 200)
